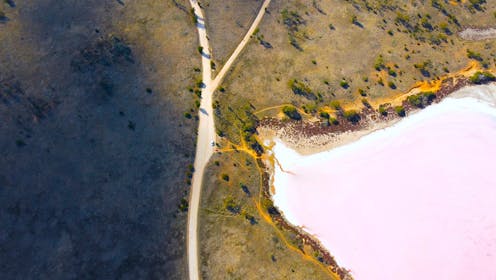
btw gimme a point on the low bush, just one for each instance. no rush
(422, 99)
(291, 112)
(400, 111)
(336, 105)
(324, 115)
(482, 78)
(225, 177)
(299, 88)
(383, 110)
(474, 55)
(344, 84)
(352, 116)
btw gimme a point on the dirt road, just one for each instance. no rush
(206, 127)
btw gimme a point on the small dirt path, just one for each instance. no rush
(206, 126)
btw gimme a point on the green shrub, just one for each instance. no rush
(379, 63)
(344, 84)
(324, 115)
(482, 78)
(193, 15)
(423, 68)
(302, 89)
(422, 99)
(354, 19)
(477, 4)
(400, 111)
(183, 206)
(426, 24)
(444, 27)
(366, 103)
(402, 18)
(231, 205)
(225, 177)
(309, 108)
(383, 109)
(352, 116)
(474, 55)
(291, 112)
(336, 105)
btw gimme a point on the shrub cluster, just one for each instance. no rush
(422, 99)
(291, 112)
(482, 78)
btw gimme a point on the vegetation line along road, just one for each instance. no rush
(206, 127)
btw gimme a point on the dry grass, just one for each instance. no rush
(233, 247)
(93, 134)
(332, 49)
(347, 53)
(227, 23)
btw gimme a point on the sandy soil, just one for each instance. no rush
(475, 34)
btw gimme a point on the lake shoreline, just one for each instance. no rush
(310, 138)
(314, 137)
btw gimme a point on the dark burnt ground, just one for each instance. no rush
(94, 148)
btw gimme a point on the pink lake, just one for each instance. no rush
(416, 200)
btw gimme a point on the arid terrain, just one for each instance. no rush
(227, 23)
(324, 64)
(99, 110)
(94, 145)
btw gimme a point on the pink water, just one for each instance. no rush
(414, 201)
